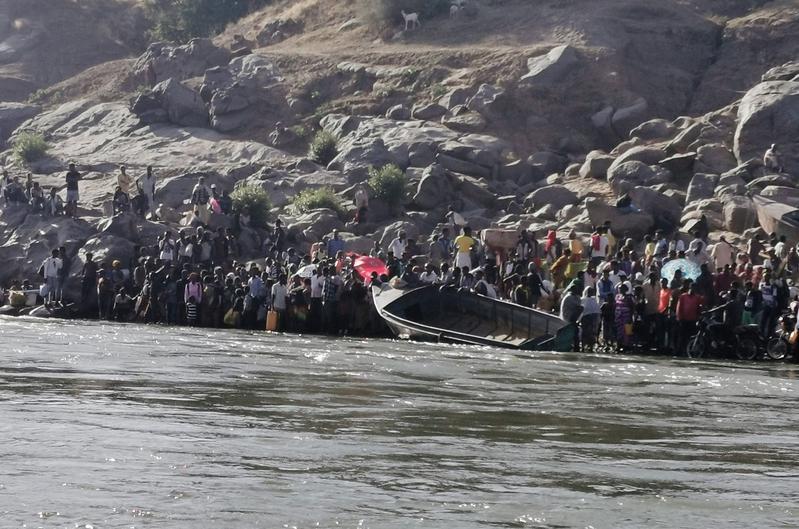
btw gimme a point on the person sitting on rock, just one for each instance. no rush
(37, 198)
(121, 201)
(625, 204)
(200, 195)
(54, 204)
(771, 160)
(139, 204)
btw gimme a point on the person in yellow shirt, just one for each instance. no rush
(464, 244)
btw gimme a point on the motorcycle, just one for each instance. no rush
(713, 339)
(779, 346)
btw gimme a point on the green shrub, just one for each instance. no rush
(183, 20)
(381, 14)
(29, 147)
(323, 197)
(388, 184)
(253, 201)
(324, 147)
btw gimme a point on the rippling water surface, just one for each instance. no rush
(129, 426)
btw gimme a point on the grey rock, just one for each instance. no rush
(455, 97)
(715, 159)
(319, 179)
(550, 68)
(487, 101)
(634, 225)
(769, 113)
(399, 113)
(780, 193)
(182, 104)
(164, 61)
(665, 210)
(701, 186)
(785, 72)
(475, 190)
(596, 165)
(428, 111)
(458, 165)
(654, 129)
(645, 154)
(548, 162)
(770, 180)
(435, 188)
(680, 165)
(684, 139)
(739, 214)
(627, 118)
(627, 175)
(514, 171)
(464, 122)
(557, 195)
(603, 123)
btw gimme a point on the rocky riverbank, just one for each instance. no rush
(237, 117)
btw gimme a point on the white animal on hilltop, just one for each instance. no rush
(412, 19)
(453, 11)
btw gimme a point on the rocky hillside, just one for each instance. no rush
(521, 114)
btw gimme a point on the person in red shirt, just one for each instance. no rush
(689, 309)
(723, 280)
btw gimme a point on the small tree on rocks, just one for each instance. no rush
(253, 201)
(323, 148)
(388, 184)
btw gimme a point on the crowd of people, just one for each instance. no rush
(618, 291)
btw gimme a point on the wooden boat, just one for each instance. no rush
(779, 218)
(432, 313)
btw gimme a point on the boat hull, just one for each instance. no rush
(446, 315)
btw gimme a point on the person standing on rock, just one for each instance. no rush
(72, 178)
(124, 181)
(88, 282)
(464, 244)
(771, 160)
(147, 185)
(51, 271)
(200, 196)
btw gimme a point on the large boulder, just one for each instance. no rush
(318, 179)
(624, 177)
(556, 195)
(701, 186)
(627, 118)
(475, 190)
(645, 154)
(665, 210)
(769, 113)
(312, 226)
(781, 194)
(654, 129)
(548, 162)
(715, 159)
(596, 165)
(247, 90)
(739, 214)
(434, 188)
(428, 111)
(634, 225)
(164, 61)
(551, 68)
(487, 101)
(183, 105)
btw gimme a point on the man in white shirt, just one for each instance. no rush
(723, 254)
(429, 276)
(771, 160)
(398, 245)
(257, 288)
(51, 271)
(279, 295)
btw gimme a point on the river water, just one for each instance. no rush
(142, 427)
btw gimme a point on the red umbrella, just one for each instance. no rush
(365, 265)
